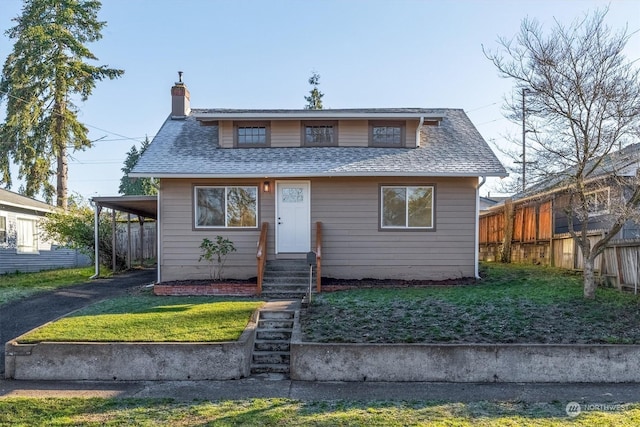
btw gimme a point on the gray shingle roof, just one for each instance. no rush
(9, 198)
(184, 148)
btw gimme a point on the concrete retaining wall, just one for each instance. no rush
(464, 362)
(130, 361)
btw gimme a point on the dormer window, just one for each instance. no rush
(251, 134)
(320, 134)
(387, 134)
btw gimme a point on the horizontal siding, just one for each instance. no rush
(285, 133)
(353, 133)
(10, 261)
(180, 242)
(353, 246)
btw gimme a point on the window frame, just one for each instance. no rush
(605, 211)
(406, 227)
(327, 123)
(251, 124)
(4, 238)
(197, 227)
(35, 249)
(388, 123)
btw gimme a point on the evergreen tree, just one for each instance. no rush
(314, 100)
(41, 76)
(136, 186)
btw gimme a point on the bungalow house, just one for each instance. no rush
(22, 248)
(385, 192)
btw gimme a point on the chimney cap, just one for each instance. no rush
(179, 82)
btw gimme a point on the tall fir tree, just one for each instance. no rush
(136, 186)
(314, 100)
(41, 77)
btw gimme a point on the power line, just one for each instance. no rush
(123, 137)
(481, 108)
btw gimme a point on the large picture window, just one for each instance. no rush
(226, 206)
(406, 207)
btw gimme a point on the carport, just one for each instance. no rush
(144, 207)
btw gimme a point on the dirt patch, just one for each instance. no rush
(329, 283)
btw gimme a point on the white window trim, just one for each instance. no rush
(6, 230)
(407, 226)
(36, 235)
(608, 203)
(225, 226)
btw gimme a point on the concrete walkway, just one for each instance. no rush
(312, 391)
(21, 316)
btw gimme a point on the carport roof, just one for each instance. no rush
(146, 206)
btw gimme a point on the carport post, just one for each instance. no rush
(113, 239)
(96, 224)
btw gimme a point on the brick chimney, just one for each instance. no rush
(180, 105)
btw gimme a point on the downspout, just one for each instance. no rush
(96, 224)
(477, 238)
(158, 240)
(418, 131)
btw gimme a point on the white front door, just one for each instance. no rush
(293, 216)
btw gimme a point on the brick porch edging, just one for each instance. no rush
(227, 289)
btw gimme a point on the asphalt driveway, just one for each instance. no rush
(21, 316)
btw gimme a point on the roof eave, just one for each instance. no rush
(315, 114)
(317, 175)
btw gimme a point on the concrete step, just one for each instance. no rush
(285, 285)
(275, 324)
(270, 357)
(286, 278)
(268, 369)
(271, 345)
(269, 314)
(288, 265)
(273, 334)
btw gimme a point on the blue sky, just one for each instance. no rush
(259, 54)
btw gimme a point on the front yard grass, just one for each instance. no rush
(15, 286)
(512, 304)
(148, 318)
(285, 412)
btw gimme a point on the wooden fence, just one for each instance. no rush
(533, 242)
(147, 247)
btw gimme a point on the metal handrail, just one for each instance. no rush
(261, 254)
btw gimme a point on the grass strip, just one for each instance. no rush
(287, 412)
(149, 318)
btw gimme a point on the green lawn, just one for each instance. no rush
(512, 304)
(286, 412)
(149, 318)
(20, 285)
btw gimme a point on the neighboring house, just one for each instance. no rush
(22, 248)
(539, 225)
(394, 189)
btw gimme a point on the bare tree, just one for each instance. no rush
(580, 103)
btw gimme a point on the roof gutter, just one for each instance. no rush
(418, 129)
(483, 179)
